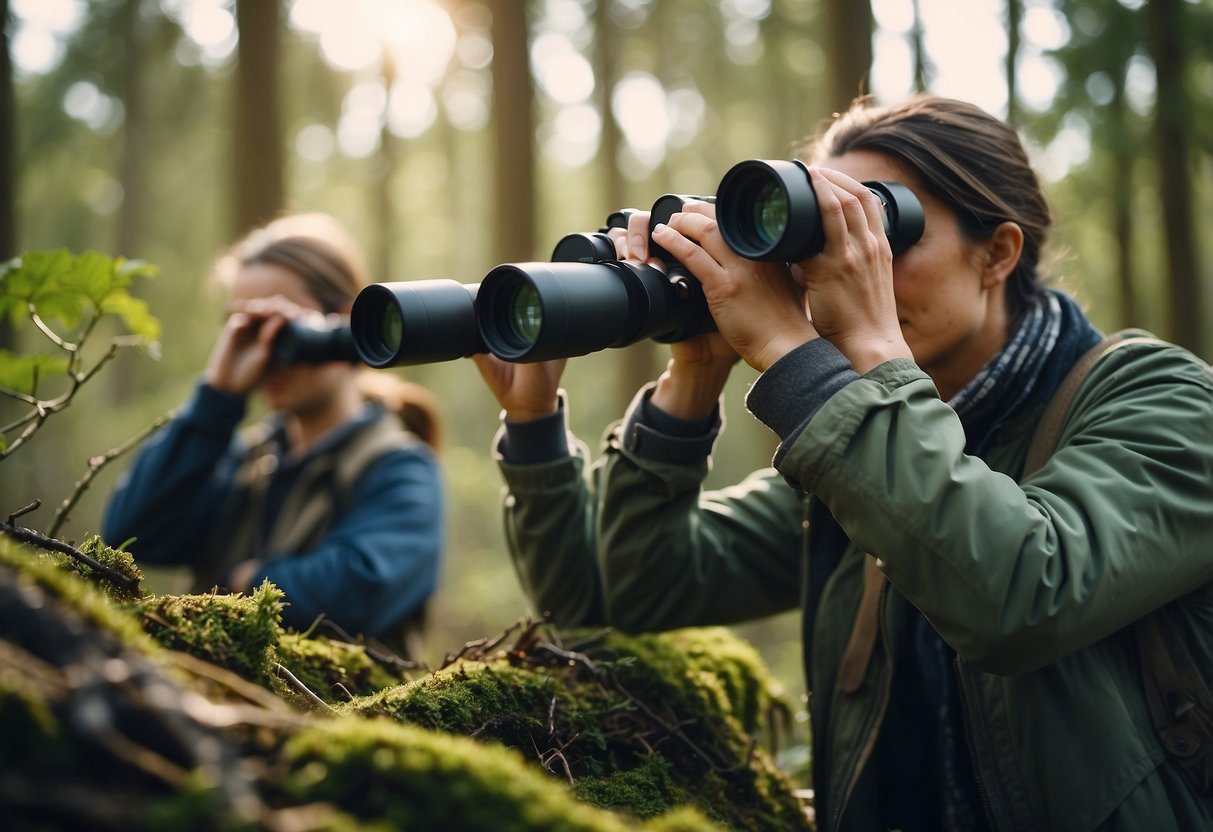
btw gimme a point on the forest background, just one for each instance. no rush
(453, 135)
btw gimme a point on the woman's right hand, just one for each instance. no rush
(242, 352)
(524, 391)
(699, 367)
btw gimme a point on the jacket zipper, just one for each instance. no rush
(882, 705)
(971, 745)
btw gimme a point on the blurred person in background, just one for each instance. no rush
(336, 497)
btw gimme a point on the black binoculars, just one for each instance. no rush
(314, 342)
(586, 299)
(583, 300)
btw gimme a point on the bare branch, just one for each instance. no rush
(43, 542)
(96, 463)
(66, 346)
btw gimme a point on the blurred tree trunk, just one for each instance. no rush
(383, 207)
(514, 167)
(8, 143)
(132, 163)
(1014, 15)
(848, 47)
(1165, 21)
(8, 161)
(636, 361)
(922, 71)
(257, 156)
(1122, 202)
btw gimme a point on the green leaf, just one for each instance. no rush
(134, 313)
(23, 372)
(94, 274)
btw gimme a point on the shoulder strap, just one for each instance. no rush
(1178, 696)
(1049, 430)
(324, 490)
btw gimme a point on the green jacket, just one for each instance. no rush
(1032, 583)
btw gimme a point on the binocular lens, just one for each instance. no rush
(771, 213)
(391, 329)
(526, 314)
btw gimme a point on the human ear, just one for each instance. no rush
(1002, 250)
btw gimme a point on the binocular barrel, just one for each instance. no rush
(767, 210)
(415, 322)
(585, 299)
(306, 342)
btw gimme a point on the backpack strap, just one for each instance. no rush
(1178, 696)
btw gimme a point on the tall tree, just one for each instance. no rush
(1166, 22)
(257, 155)
(132, 164)
(384, 164)
(8, 141)
(1014, 15)
(922, 67)
(513, 129)
(848, 46)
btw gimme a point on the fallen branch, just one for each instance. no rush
(43, 542)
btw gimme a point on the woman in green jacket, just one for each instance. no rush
(967, 625)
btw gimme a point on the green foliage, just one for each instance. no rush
(75, 290)
(65, 297)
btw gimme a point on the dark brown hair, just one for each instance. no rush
(971, 161)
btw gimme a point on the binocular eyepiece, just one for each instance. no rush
(767, 210)
(585, 299)
(314, 342)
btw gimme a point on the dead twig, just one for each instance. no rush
(43, 542)
(316, 702)
(96, 463)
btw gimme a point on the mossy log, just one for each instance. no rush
(121, 710)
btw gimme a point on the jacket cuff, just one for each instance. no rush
(213, 410)
(535, 441)
(789, 394)
(650, 433)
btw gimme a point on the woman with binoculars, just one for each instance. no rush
(330, 498)
(968, 620)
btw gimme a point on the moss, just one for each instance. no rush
(238, 632)
(116, 560)
(46, 571)
(326, 666)
(641, 724)
(644, 791)
(412, 778)
(656, 730)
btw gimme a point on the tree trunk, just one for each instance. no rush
(383, 207)
(257, 156)
(1165, 19)
(921, 68)
(1014, 15)
(848, 46)
(1122, 205)
(514, 171)
(8, 142)
(131, 167)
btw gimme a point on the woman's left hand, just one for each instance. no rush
(849, 285)
(757, 306)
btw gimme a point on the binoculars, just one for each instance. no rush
(314, 342)
(585, 299)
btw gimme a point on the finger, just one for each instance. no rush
(619, 236)
(638, 236)
(873, 208)
(685, 250)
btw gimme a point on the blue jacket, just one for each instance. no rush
(376, 564)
